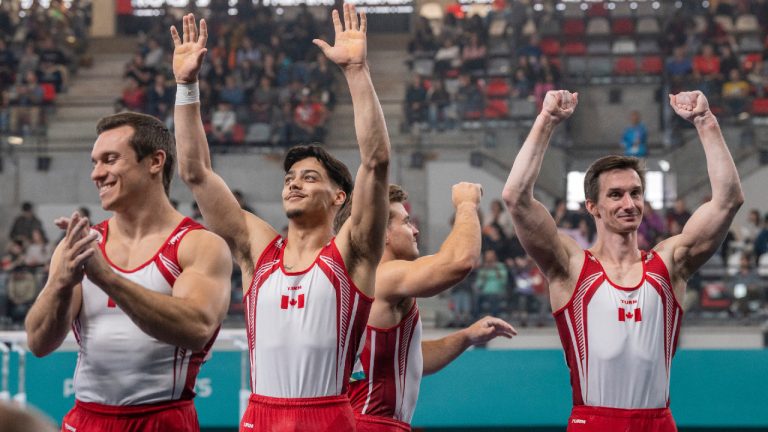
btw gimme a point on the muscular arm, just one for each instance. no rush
(245, 233)
(439, 353)
(534, 225)
(188, 317)
(50, 317)
(709, 224)
(428, 276)
(362, 236)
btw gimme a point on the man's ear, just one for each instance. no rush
(157, 161)
(591, 207)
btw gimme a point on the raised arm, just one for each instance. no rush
(245, 233)
(533, 224)
(429, 275)
(190, 316)
(361, 238)
(438, 353)
(709, 224)
(51, 316)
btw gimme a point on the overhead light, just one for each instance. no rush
(15, 140)
(664, 165)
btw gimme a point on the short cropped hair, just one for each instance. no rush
(396, 195)
(608, 163)
(149, 135)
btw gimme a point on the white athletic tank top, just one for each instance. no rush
(304, 328)
(619, 341)
(119, 364)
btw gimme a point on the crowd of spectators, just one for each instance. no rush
(498, 61)
(39, 49)
(263, 81)
(23, 265)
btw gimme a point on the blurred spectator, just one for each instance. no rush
(26, 98)
(38, 253)
(223, 124)
(26, 223)
(522, 86)
(747, 288)
(461, 298)
(133, 95)
(531, 291)
(735, 93)
(439, 100)
(13, 258)
(758, 78)
(493, 239)
(635, 137)
(749, 232)
(679, 67)
(678, 215)
(651, 229)
(160, 98)
(473, 54)
(499, 216)
(423, 37)
(155, 55)
(491, 284)
(761, 241)
(469, 99)
(447, 57)
(706, 70)
(310, 117)
(415, 101)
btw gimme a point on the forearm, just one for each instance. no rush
(723, 175)
(439, 353)
(525, 170)
(191, 143)
(169, 319)
(462, 246)
(370, 127)
(49, 320)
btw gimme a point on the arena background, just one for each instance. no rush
(617, 54)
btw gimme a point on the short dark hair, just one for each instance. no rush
(608, 163)
(149, 135)
(396, 195)
(336, 169)
(26, 206)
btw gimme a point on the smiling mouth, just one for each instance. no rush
(105, 187)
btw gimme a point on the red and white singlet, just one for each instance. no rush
(304, 328)
(392, 363)
(619, 341)
(118, 364)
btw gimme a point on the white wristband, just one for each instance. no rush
(187, 93)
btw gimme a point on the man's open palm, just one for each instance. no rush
(350, 47)
(189, 49)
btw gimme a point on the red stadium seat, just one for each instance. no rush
(597, 10)
(625, 66)
(652, 65)
(497, 108)
(714, 297)
(497, 88)
(760, 107)
(574, 48)
(573, 27)
(550, 46)
(622, 26)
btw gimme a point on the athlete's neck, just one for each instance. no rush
(308, 237)
(615, 247)
(146, 218)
